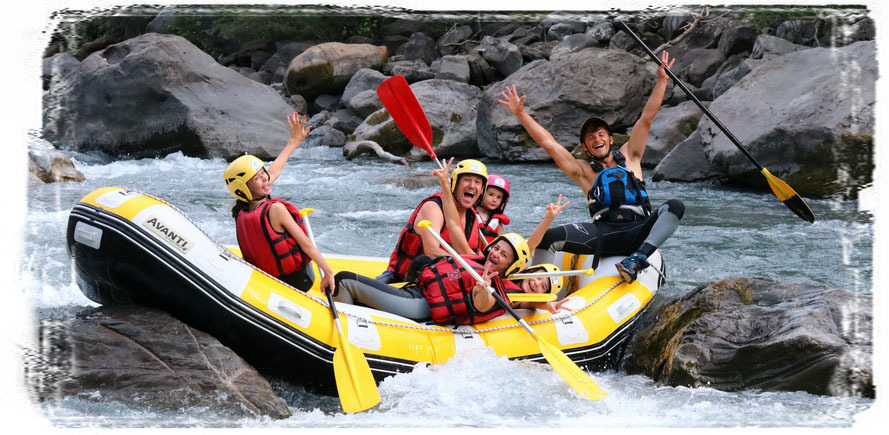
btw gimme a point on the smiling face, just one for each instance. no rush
(468, 190)
(259, 185)
(598, 142)
(492, 199)
(536, 285)
(499, 257)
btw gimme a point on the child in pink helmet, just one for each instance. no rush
(491, 207)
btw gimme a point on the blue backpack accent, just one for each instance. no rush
(618, 196)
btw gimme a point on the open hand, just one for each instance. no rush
(299, 128)
(510, 99)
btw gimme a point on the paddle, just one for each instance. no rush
(587, 272)
(354, 381)
(402, 105)
(782, 190)
(567, 369)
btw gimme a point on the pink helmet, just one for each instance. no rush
(499, 182)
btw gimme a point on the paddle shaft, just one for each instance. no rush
(695, 99)
(547, 274)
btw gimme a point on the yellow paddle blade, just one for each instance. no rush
(788, 196)
(306, 211)
(569, 371)
(531, 297)
(354, 381)
(424, 224)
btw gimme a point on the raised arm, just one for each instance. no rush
(563, 158)
(635, 146)
(451, 217)
(552, 210)
(299, 129)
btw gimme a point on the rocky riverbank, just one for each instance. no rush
(799, 93)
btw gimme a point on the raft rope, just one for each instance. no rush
(324, 302)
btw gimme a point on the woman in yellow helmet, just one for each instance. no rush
(270, 231)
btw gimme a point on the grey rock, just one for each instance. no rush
(525, 35)
(324, 135)
(58, 66)
(728, 78)
(573, 43)
(454, 68)
(603, 32)
(674, 23)
(687, 162)
(560, 102)
(412, 70)
(263, 77)
(767, 46)
(363, 80)
(319, 119)
(346, 121)
(481, 73)
(299, 104)
(49, 165)
(451, 109)
(802, 32)
(748, 333)
(163, 21)
(671, 126)
(326, 102)
(157, 94)
(365, 103)
(419, 47)
(797, 115)
(737, 38)
(560, 31)
(394, 42)
(502, 55)
(328, 67)
(259, 58)
(576, 21)
(622, 41)
(149, 360)
(284, 54)
(698, 63)
(453, 40)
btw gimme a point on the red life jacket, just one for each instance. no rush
(410, 244)
(448, 289)
(276, 253)
(489, 228)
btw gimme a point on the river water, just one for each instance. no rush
(725, 233)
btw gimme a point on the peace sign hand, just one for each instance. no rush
(553, 210)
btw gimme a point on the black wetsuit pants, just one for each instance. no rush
(610, 239)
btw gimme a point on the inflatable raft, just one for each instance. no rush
(130, 247)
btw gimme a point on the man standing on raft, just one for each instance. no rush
(623, 222)
(468, 181)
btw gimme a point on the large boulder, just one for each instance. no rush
(149, 360)
(798, 115)
(411, 70)
(454, 68)
(49, 165)
(451, 109)
(502, 55)
(157, 94)
(573, 43)
(746, 333)
(453, 40)
(57, 66)
(687, 161)
(671, 126)
(560, 102)
(419, 47)
(363, 80)
(697, 64)
(768, 46)
(327, 68)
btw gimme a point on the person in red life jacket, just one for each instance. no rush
(271, 232)
(553, 284)
(467, 183)
(623, 221)
(491, 208)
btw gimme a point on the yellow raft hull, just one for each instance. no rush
(169, 263)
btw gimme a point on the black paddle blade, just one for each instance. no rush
(797, 205)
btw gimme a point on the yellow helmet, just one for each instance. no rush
(519, 247)
(555, 282)
(469, 166)
(238, 172)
